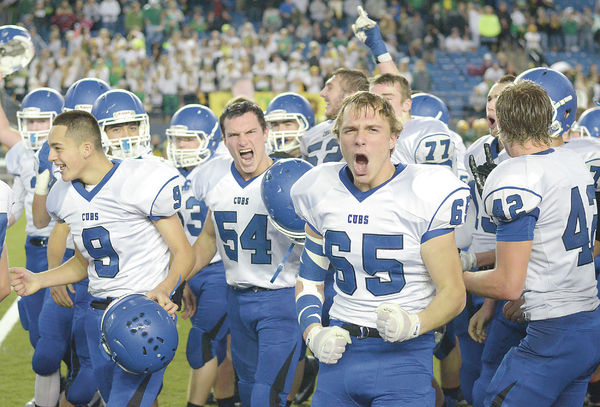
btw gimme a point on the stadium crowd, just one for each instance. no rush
(171, 53)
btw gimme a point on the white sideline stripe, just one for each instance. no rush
(8, 321)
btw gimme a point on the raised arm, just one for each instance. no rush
(205, 247)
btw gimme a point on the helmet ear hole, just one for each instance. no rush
(130, 339)
(275, 191)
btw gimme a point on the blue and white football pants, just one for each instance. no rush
(376, 373)
(552, 364)
(265, 344)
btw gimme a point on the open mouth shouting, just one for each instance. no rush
(361, 164)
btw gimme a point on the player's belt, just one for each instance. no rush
(102, 304)
(253, 289)
(39, 241)
(361, 332)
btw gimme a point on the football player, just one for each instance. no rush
(6, 203)
(480, 360)
(38, 109)
(289, 115)
(265, 338)
(318, 145)
(386, 304)
(194, 137)
(128, 238)
(588, 125)
(543, 202)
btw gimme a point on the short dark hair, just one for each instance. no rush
(240, 108)
(507, 79)
(524, 113)
(393, 79)
(81, 126)
(351, 80)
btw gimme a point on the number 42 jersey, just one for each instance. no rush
(556, 188)
(373, 238)
(112, 227)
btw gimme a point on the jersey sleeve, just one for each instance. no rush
(6, 202)
(508, 195)
(449, 205)
(436, 148)
(12, 158)
(55, 199)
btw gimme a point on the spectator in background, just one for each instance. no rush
(64, 17)
(489, 27)
(422, 80)
(350, 11)
(519, 21)
(152, 21)
(318, 11)
(533, 40)
(41, 19)
(134, 17)
(542, 22)
(493, 73)
(167, 86)
(271, 19)
(586, 35)
(454, 43)
(109, 12)
(478, 98)
(285, 11)
(404, 70)
(474, 14)
(555, 33)
(570, 29)
(91, 11)
(375, 8)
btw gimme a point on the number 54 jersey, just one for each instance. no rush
(250, 247)
(112, 227)
(373, 238)
(557, 189)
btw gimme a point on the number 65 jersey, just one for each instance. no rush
(112, 227)
(557, 190)
(373, 239)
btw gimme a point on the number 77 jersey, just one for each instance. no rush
(555, 188)
(112, 226)
(373, 239)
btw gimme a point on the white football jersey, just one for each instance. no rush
(319, 145)
(557, 188)
(250, 247)
(589, 149)
(461, 150)
(425, 140)
(192, 212)
(6, 198)
(111, 224)
(484, 233)
(22, 164)
(373, 239)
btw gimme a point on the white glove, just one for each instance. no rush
(41, 183)
(468, 261)
(396, 325)
(328, 344)
(362, 24)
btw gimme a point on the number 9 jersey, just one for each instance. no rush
(112, 227)
(555, 188)
(373, 239)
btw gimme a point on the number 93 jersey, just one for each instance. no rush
(556, 188)
(112, 227)
(250, 247)
(425, 140)
(373, 239)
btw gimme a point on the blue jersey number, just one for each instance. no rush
(97, 243)
(432, 145)
(371, 264)
(331, 156)
(198, 212)
(576, 234)
(254, 237)
(176, 197)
